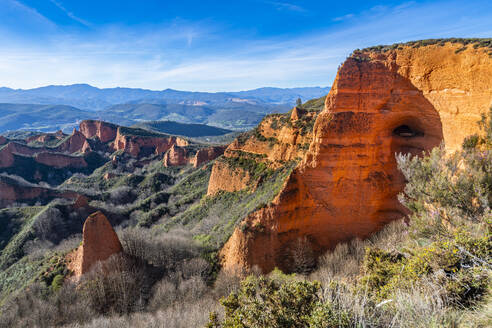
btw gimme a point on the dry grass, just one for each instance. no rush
(181, 315)
(343, 263)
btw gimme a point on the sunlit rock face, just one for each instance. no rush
(99, 243)
(407, 100)
(102, 130)
(175, 156)
(207, 154)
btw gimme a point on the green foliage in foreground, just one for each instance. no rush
(277, 301)
(460, 265)
(438, 275)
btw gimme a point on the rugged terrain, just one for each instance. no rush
(299, 184)
(63, 107)
(404, 99)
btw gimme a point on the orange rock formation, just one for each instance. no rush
(227, 178)
(208, 154)
(176, 156)
(11, 193)
(104, 131)
(136, 145)
(402, 100)
(274, 141)
(60, 160)
(99, 242)
(6, 157)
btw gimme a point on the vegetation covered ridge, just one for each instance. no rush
(476, 42)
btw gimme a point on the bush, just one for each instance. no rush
(445, 192)
(279, 301)
(166, 250)
(48, 223)
(459, 265)
(117, 285)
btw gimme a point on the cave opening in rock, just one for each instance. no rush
(406, 131)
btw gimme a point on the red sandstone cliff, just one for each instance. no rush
(179, 156)
(99, 242)
(77, 142)
(104, 131)
(226, 178)
(277, 139)
(176, 156)
(11, 193)
(206, 155)
(60, 160)
(135, 145)
(6, 157)
(402, 100)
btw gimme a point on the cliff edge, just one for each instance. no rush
(406, 98)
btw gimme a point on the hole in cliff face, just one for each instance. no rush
(406, 131)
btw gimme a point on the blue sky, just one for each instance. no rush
(211, 45)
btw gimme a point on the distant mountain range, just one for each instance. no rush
(63, 107)
(84, 96)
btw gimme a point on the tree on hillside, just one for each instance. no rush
(299, 102)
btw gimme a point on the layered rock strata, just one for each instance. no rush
(145, 145)
(404, 100)
(104, 131)
(179, 156)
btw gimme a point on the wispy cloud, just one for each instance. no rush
(204, 56)
(282, 5)
(12, 10)
(70, 14)
(342, 18)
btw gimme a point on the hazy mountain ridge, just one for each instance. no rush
(53, 108)
(85, 96)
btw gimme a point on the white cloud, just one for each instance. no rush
(13, 12)
(282, 5)
(202, 56)
(342, 18)
(70, 14)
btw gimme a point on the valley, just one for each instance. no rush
(335, 212)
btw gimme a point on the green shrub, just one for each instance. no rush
(57, 282)
(471, 142)
(459, 264)
(272, 302)
(324, 315)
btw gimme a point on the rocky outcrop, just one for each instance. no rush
(58, 160)
(407, 99)
(143, 145)
(3, 140)
(46, 137)
(104, 131)
(6, 157)
(275, 141)
(47, 156)
(99, 243)
(14, 189)
(176, 156)
(179, 156)
(22, 149)
(297, 113)
(11, 192)
(227, 178)
(81, 202)
(207, 154)
(77, 142)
